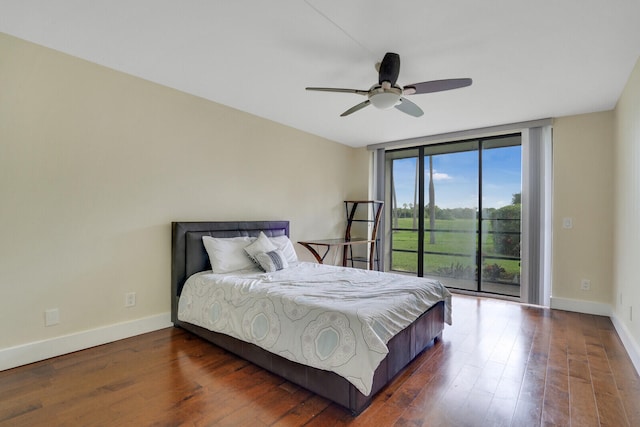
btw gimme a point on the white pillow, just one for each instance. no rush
(284, 244)
(261, 245)
(227, 254)
(272, 261)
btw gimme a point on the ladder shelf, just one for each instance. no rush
(363, 211)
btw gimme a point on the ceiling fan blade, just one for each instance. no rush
(436, 86)
(389, 68)
(356, 108)
(409, 107)
(331, 89)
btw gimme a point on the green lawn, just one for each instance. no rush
(454, 251)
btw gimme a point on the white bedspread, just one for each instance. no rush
(332, 318)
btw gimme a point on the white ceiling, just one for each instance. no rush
(528, 59)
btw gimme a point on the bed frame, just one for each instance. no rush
(188, 256)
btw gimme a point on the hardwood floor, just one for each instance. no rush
(500, 364)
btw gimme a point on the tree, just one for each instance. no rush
(432, 204)
(506, 228)
(394, 203)
(415, 199)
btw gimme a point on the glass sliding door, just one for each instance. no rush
(451, 203)
(455, 213)
(405, 211)
(500, 215)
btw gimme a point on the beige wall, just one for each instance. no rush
(95, 164)
(626, 280)
(597, 183)
(582, 190)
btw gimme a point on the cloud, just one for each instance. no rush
(439, 176)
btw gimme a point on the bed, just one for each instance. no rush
(191, 266)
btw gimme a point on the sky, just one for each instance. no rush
(456, 178)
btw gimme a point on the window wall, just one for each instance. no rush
(455, 213)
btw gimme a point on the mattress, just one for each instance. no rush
(332, 318)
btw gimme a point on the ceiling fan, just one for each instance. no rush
(386, 93)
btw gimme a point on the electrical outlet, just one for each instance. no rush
(585, 285)
(130, 299)
(51, 317)
(567, 222)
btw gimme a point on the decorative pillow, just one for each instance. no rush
(261, 245)
(272, 261)
(284, 244)
(227, 254)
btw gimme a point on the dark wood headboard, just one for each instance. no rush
(188, 255)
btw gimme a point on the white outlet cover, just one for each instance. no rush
(51, 317)
(130, 299)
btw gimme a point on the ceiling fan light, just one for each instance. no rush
(384, 100)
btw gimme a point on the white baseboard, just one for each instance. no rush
(45, 349)
(600, 309)
(580, 306)
(630, 344)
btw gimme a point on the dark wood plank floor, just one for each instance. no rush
(500, 364)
